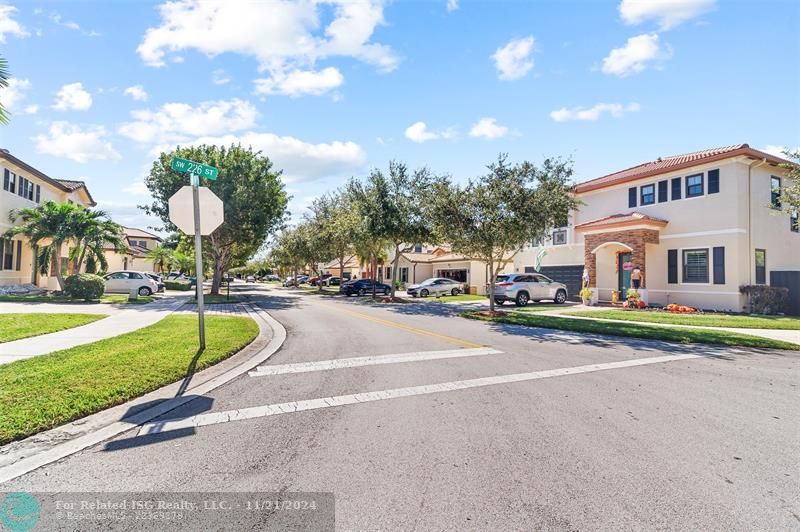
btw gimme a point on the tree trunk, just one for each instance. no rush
(395, 262)
(341, 272)
(57, 260)
(219, 256)
(374, 275)
(81, 257)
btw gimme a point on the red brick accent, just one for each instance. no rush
(635, 239)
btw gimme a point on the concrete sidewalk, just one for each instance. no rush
(120, 321)
(785, 335)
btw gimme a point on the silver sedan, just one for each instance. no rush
(435, 286)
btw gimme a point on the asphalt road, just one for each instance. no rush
(701, 443)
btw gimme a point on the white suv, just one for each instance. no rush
(523, 287)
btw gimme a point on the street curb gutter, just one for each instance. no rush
(25, 456)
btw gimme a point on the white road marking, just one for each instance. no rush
(214, 418)
(355, 362)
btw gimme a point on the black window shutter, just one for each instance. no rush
(38, 193)
(20, 182)
(663, 190)
(719, 265)
(5, 179)
(2, 252)
(672, 266)
(676, 188)
(632, 197)
(713, 181)
(19, 255)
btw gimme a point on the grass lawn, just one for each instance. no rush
(536, 307)
(682, 335)
(327, 291)
(451, 299)
(209, 299)
(706, 320)
(105, 298)
(43, 392)
(17, 326)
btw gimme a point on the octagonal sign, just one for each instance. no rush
(181, 210)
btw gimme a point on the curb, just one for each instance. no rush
(19, 458)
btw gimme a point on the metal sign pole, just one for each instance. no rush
(198, 260)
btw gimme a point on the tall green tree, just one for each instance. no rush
(93, 232)
(48, 227)
(162, 256)
(392, 207)
(493, 217)
(336, 222)
(251, 190)
(288, 252)
(4, 77)
(790, 191)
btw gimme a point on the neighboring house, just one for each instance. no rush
(25, 186)
(698, 225)
(415, 266)
(352, 268)
(140, 243)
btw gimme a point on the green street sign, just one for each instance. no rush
(191, 167)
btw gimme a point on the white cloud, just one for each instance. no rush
(282, 35)
(73, 96)
(9, 26)
(635, 55)
(178, 122)
(75, 143)
(452, 5)
(299, 160)
(300, 82)
(777, 150)
(418, 132)
(488, 128)
(136, 92)
(593, 113)
(31, 109)
(514, 59)
(13, 95)
(137, 188)
(220, 77)
(71, 25)
(668, 13)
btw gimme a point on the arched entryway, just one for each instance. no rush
(611, 275)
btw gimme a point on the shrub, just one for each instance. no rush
(178, 285)
(86, 286)
(765, 299)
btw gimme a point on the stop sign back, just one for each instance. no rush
(181, 210)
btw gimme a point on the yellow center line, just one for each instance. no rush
(396, 325)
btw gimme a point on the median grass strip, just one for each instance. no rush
(706, 320)
(43, 392)
(18, 326)
(634, 330)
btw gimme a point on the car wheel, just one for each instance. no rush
(561, 297)
(423, 293)
(145, 291)
(499, 302)
(361, 291)
(455, 292)
(522, 299)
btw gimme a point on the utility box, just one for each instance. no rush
(473, 290)
(133, 295)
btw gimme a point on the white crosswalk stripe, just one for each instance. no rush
(355, 362)
(364, 397)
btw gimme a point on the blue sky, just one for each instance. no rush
(329, 89)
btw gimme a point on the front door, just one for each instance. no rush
(624, 276)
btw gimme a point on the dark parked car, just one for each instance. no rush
(158, 280)
(363, 287)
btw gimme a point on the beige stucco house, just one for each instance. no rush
(140, 243)
(698, 225)
(25, 186)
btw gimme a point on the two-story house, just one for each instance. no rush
(25, 186)
(697, 225)
(140, 243)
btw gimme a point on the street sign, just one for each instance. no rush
(181, 211)
(191, 167)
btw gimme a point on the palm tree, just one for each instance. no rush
(162, 256)
(48, 227)
(184, 263)
(371, 251)
(4, 76)
(93, 232)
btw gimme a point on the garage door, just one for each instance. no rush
(569, 275)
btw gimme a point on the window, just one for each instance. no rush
(403, 275)
(794, 223)
(676, 188)
(695, 265)
(648, 195)
(388, 272)
(8, 254)
(775, 192)
(713, 181)
(694, 185)
(417, 248)
(18, 265)
(663, 191)
(761, 266)
(559, 237)
(12, 180)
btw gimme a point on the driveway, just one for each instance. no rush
(417, 419)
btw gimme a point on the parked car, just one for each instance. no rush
(333, 281)
(292, 281)
(314, 281)
(523, 287)
(435, 286)
(363, 287)
(250, 279)
(158, 280)
(271, 277)
(124, 281)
